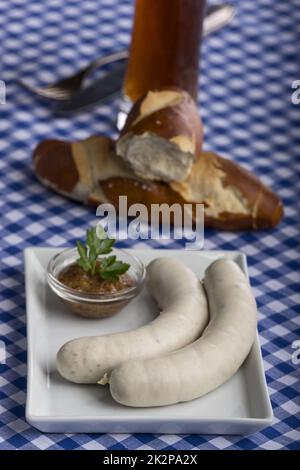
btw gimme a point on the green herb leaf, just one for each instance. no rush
(100, 232)
(82, 251)
(90, 237)
(106, 245)
(113, 270)
(83, 264)
(98, 243)
(106, 262)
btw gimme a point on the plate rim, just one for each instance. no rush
(37, 419)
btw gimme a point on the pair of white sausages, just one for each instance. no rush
(153, 377)
(183, 316)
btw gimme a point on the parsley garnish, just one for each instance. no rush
(97, 243)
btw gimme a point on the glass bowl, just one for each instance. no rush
(92, 305)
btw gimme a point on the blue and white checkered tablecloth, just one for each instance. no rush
(245, 100)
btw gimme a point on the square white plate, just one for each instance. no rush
(240, 406)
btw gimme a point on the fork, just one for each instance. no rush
(216, 17)
(65, 88)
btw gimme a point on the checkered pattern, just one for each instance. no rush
(246, 104)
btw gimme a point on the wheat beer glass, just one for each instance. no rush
(165, 46)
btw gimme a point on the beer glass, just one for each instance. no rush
(165, 46)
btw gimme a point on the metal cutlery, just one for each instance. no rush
(69, 92)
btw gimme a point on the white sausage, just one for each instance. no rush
(205, 364)
(184, 315)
